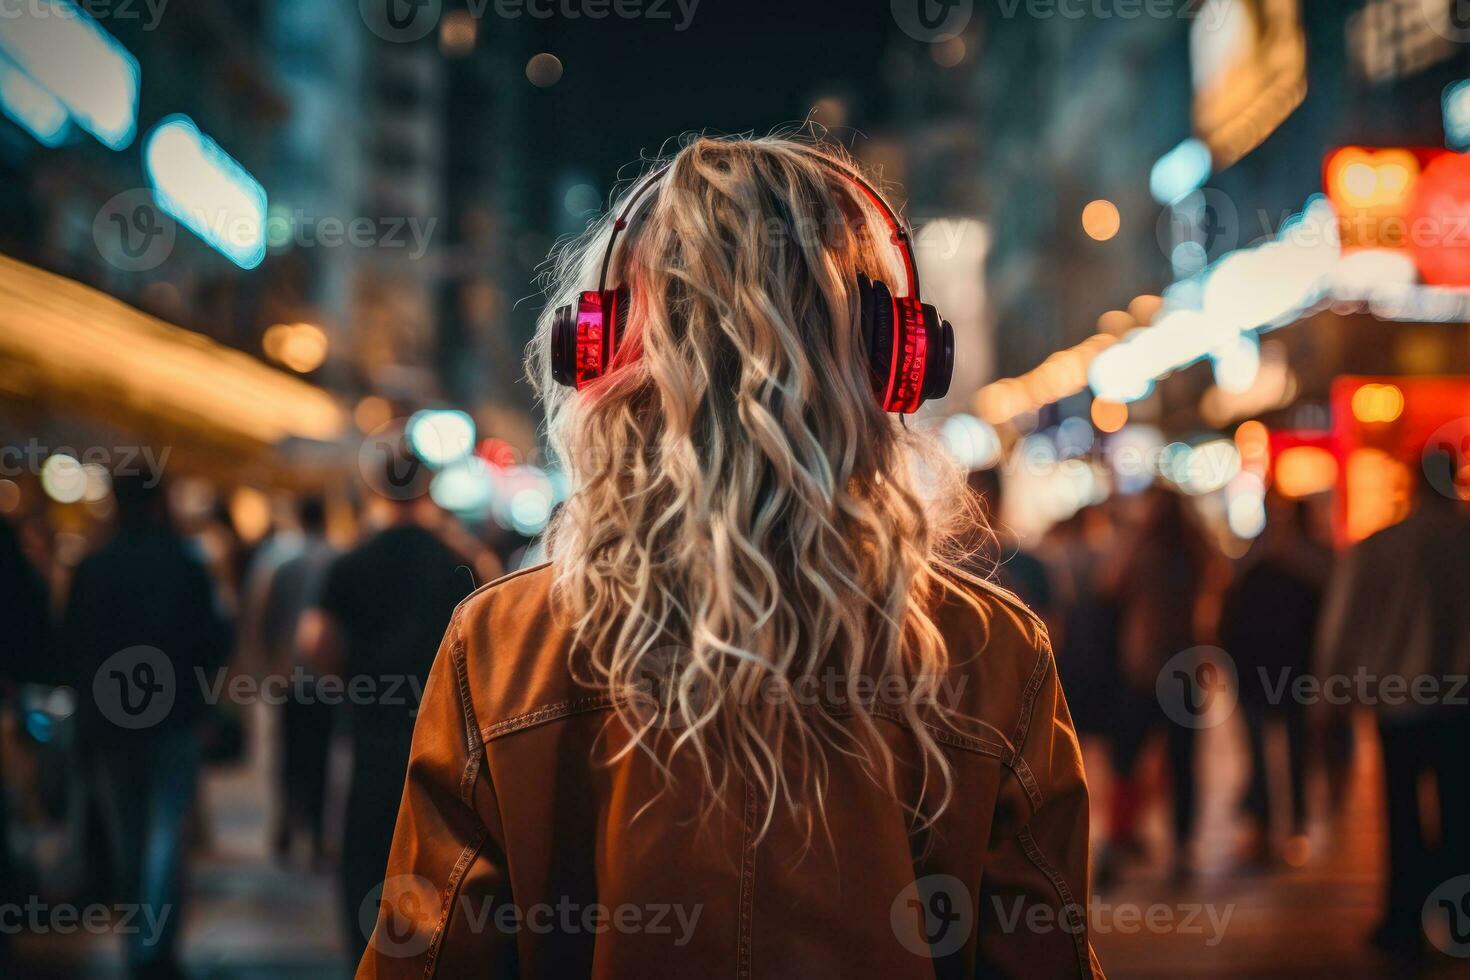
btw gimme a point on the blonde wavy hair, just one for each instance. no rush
(743, 515)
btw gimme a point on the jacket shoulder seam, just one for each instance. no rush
(1002, 595)
(547, 713)
(1000, 749)
(493, 583)
(1031, 690)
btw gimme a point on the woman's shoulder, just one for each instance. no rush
(973, 606)
(1000, 654)
(514, 654)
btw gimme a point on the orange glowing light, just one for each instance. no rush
(1253, 441)
(1372, 189)
(457, 32)
(1377, 492)
(1304, 470)
(1061, 375)
(1115, 323)
(372, 412)
(1144, 308)
(250, 511)
(105, 359)
(1359, 178)
(1377, 403)
(1101, 220)
(1109, 416)
(948, 53)
(302, 347)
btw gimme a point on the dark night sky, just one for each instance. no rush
(741, 65)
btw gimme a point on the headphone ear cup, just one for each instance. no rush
(865, 312)
(877, 312)
(618, 299)
(939, 371)
(564, 346)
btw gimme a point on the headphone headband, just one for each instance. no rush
(898, 232)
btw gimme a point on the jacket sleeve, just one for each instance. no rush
(440, 911)
(1032, 917)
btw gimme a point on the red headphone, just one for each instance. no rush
(910, 346)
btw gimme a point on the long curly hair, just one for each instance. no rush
(743, 517)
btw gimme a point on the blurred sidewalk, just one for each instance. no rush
(1311, 922)
(250, 918)
(247, 916)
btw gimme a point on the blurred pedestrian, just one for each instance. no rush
(25, 649)
(1086, 632)
(287, 582)
(143, 627)
(381, 610)
(1268, 624)
(1397, 625)
(1160, 584)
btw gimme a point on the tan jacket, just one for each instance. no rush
(520, 851)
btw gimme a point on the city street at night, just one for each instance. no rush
(665, 488)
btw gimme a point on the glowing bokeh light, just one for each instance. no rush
(1180, 171)
(1109, 416)
(63, 479)
(441, 436)
(302, 347)
(1455, 108)
(1304, 470)
(466, 487)
(1101, 220)
(60, 47)
(207, 190)
(1245, 507)
(972, 443)
(1377, 403)
(31, 107)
